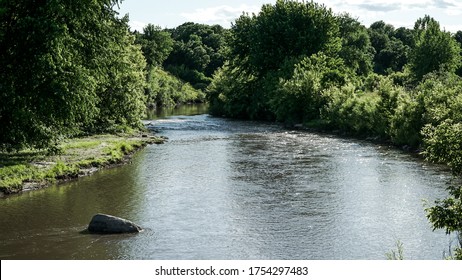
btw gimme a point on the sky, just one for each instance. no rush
(399, 13)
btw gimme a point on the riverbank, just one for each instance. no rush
(35, 169)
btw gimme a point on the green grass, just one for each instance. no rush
(76, 155)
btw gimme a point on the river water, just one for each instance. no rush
(224, 189)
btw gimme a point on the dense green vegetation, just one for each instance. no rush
(66, 70)
(301, 63)
(71, 69)
(163, 89)
(198, 50)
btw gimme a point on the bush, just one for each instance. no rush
(164, 89)
(233, 93)
(350, 110)
(443, 144)
(300, 98)
(386, 106)
(447, 214)
(407, 121)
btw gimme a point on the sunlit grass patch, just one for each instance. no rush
(75, 155)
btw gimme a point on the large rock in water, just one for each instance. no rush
(107, 224)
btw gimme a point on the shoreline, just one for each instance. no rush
(27, 171)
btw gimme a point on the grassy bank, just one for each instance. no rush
(34, 169)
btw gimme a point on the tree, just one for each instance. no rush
(198, 50)
(393, 57)
(405, 35)
(357, 51)
(289, 29)
(156, 44)
(434, 50)
(447, 214)
(265, 48)
(121, 88)
(392, 47)
(46, 89)
(458, 37)
(66, 66)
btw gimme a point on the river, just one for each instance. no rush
(226, 189)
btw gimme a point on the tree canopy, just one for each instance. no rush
(198, 50)
(434, 49)
(67, 67)
(156, 44)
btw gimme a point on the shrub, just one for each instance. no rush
(443, 144)
(300, 98)
(166, 90)
(407, 121)
(350, 110)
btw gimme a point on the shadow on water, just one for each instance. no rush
(185, 110)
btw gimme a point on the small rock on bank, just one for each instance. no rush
(107, 224)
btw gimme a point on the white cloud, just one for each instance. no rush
(394, 5)
(396, 12)
(137, 25)
(400, 12)
(222, 15)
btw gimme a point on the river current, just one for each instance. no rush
(225, 189)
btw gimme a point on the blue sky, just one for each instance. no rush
(172, 13)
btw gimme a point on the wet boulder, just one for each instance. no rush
(107, 224)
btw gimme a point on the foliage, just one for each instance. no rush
(198, 50)
(397, 255)
(447, 214)
(407, 121)
(350, 110)
(435, 49)
(357, 50)
(443, 144)
(164, 89)
(366, 111)
(386, 106)
(156, 44)
(121, 94)
(231, 92)
(442, 141)
(83, 72)
(285, 29)
(300, 98)
(458, 38)
(392, 47)
(191, 76)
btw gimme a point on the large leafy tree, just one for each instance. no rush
(121, 79)
(392, 47)
(45, 87)
(435, 49)
(64, 64)
(198, 50)
(283, 30)
(266, 47)
(357, 50)
(157, 44)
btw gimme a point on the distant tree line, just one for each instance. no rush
(181, 61)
